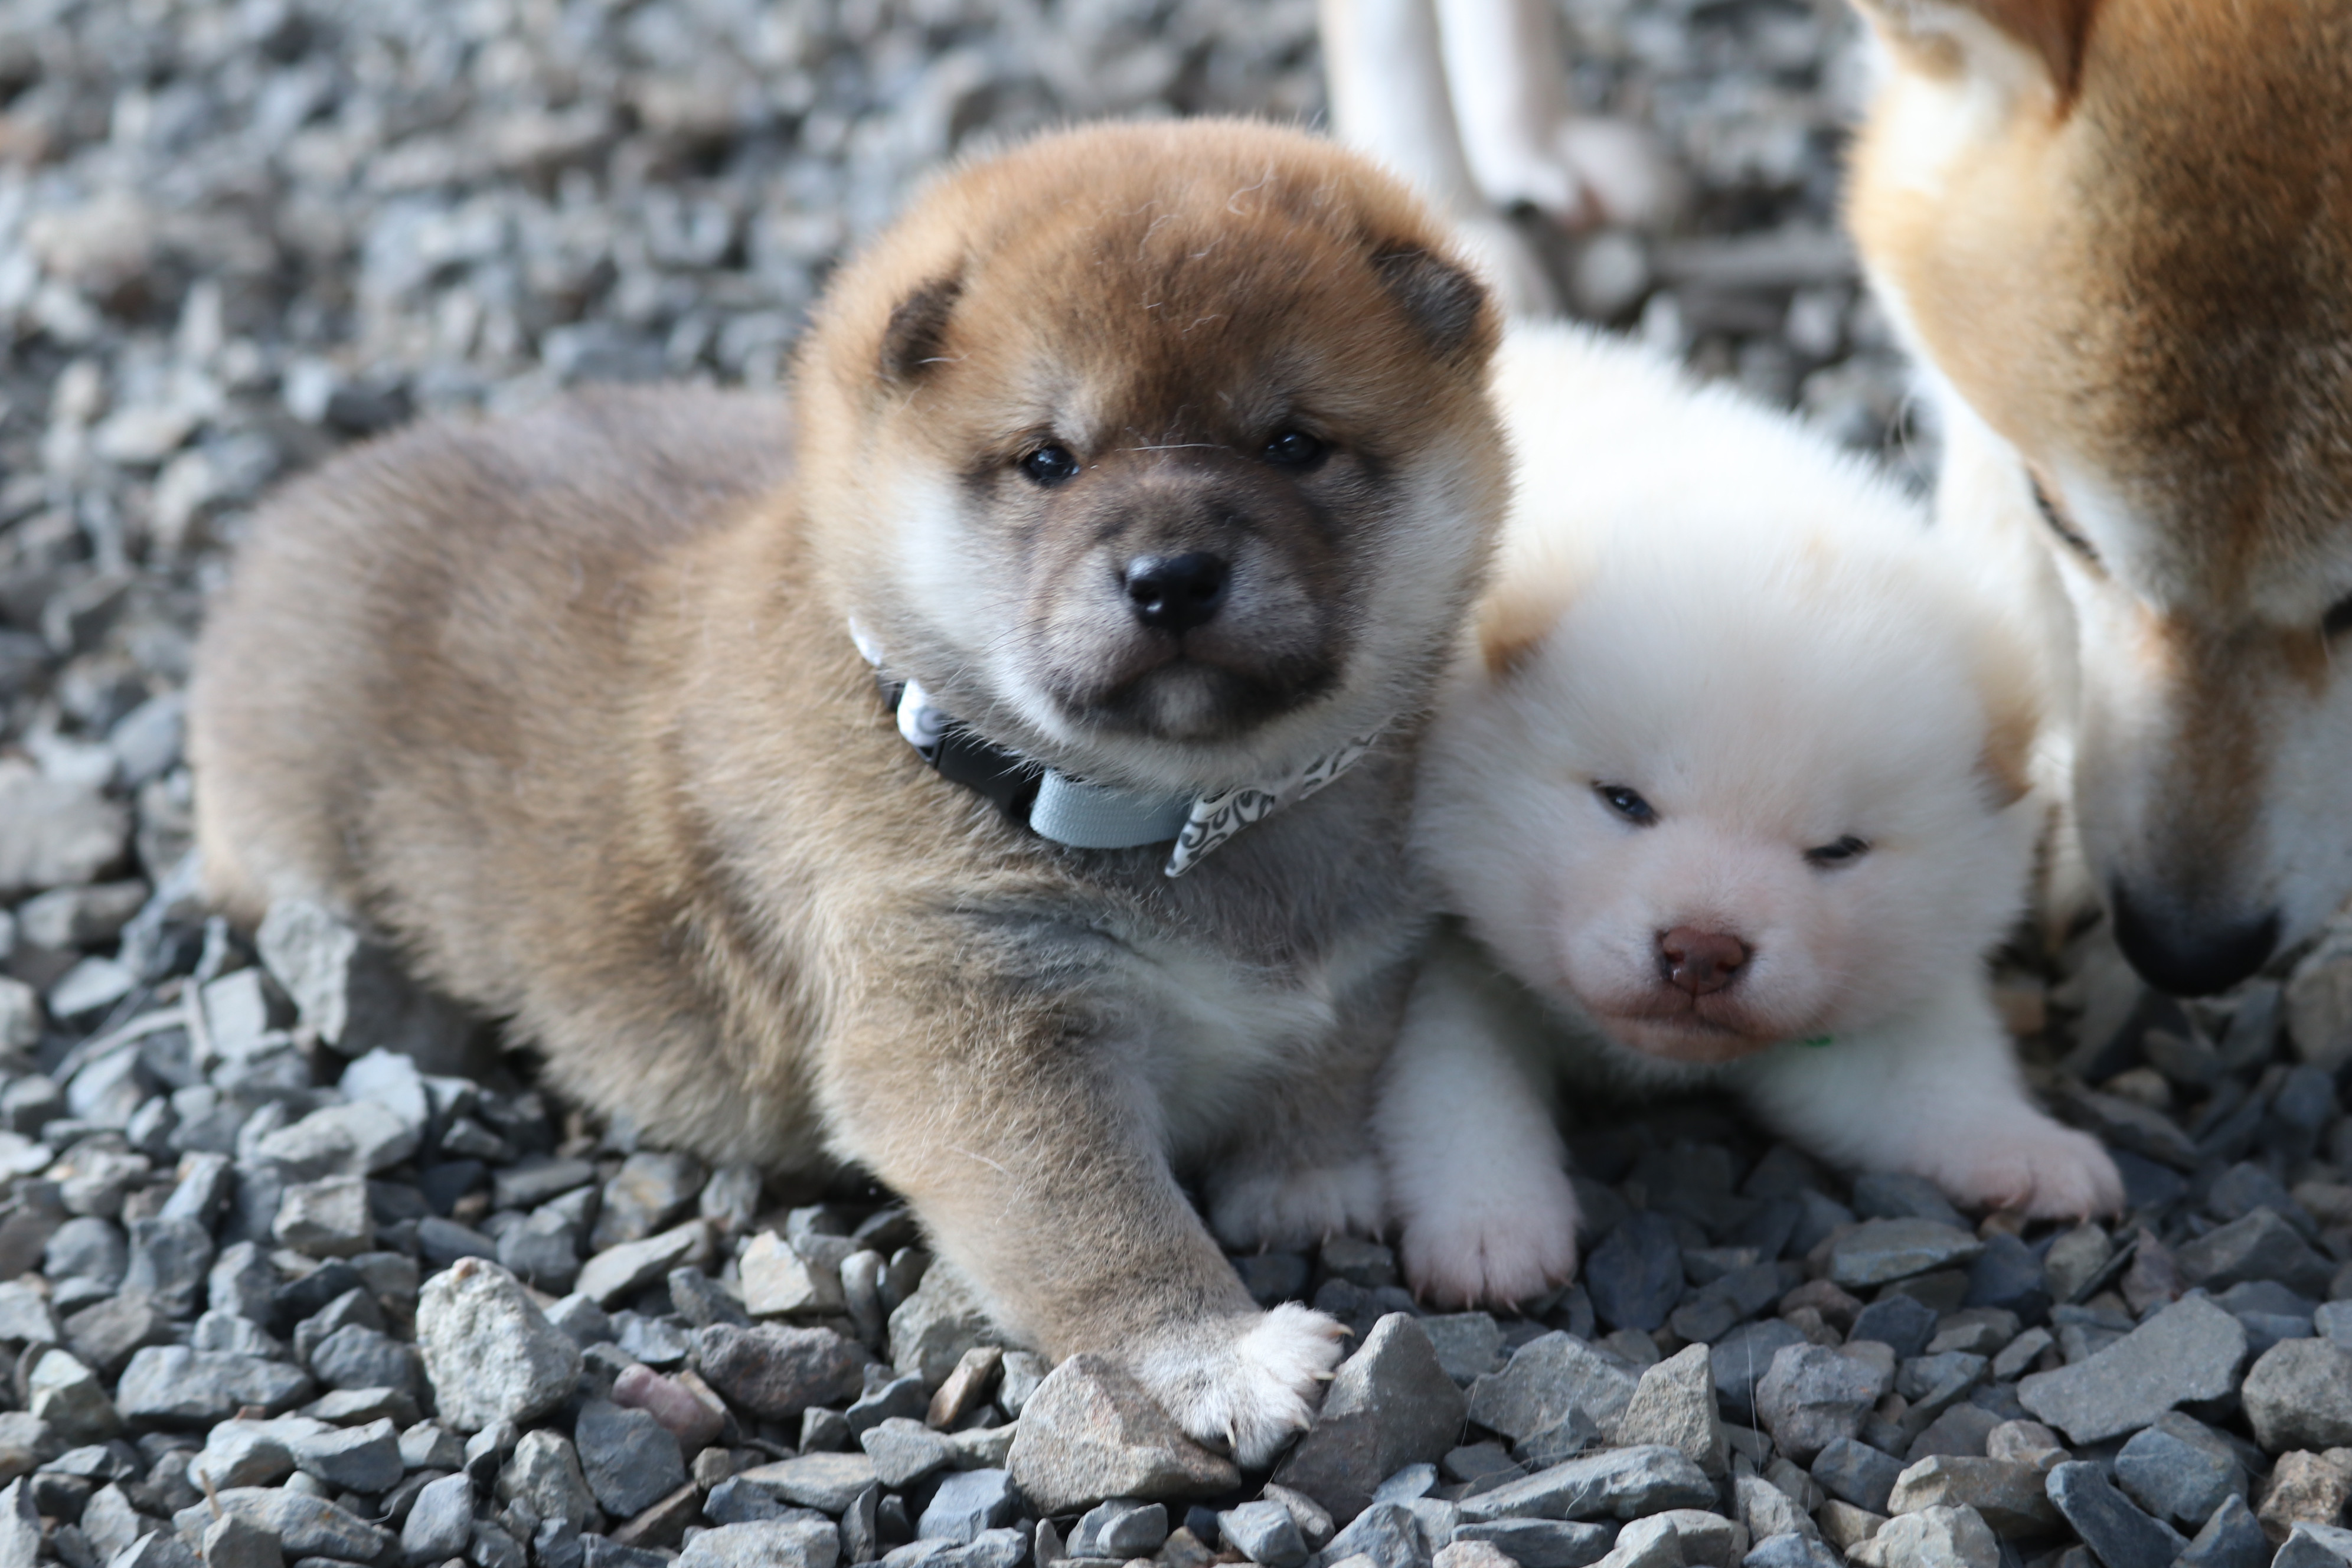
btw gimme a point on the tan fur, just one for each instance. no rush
(2056, 31)
(1513, 621)
(567, 705)
(2121, 233)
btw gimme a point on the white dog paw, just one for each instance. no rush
(2036, 1167)
(1248, 1393)
(1623, 173)
(1499, 1264)
(1284, 1210)
(1501, 1245)
(1543, 179)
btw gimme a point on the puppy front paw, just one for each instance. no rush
(1285, 1210)
(1246, 1385)
(1496, 1244)
(2034, 1166)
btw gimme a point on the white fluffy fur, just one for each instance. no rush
(1707, 603)
(1254, 1400)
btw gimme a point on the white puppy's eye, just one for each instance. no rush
(1627, 803)
(1843, 852)
(2338, 619)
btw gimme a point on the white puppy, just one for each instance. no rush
(1733, 788)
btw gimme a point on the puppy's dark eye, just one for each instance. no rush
(1843, 852)
(2060, 526)
(1296, 449)
(1048, 465)
(1627, 803)
(2338, 619)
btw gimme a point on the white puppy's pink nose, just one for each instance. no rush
(1700, 962)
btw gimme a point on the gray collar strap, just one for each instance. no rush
(1088, 815)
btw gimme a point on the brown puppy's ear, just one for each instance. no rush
(2054, 32)
(917, 326)
(1445, 302)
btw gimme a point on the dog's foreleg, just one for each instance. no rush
(1029, 1147)
(1388, 96)
(1389, 99)
(1506, 67)
(1305, 1169)
(1935, 1092)
(1503, 66)
(1476, 1169)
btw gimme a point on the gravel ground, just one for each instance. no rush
(274, 1293)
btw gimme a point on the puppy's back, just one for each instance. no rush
(497, 578)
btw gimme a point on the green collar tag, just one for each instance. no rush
(1818, 1041)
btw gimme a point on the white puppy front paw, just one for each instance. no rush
(1494, 1243)
(1285, 1210)
(2031, 1164)
(1246, 1386)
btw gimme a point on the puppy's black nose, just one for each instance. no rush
(1700, 962)
(2191, 956)
(1177, 593)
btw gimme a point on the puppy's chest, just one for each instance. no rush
(1206, 1010)
(1270, 945)
(1220, 1044)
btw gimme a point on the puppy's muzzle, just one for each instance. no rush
(1188, 594)
(1700, 963)
(1177, 593)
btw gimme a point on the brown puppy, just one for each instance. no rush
(1158, 456)
(2120, 233)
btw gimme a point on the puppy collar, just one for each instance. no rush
(1085, 816)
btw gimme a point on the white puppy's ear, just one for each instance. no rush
(2008, 44)
(2013, 722)
(1512, 623)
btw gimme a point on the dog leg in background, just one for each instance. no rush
(1504, 61)
(1935, 1092)
(1477, 1175)
(1040, 1175)
(1389, 100)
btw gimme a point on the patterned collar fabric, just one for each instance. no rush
(1068, 810)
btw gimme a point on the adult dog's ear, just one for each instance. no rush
(2005, 42)
(1450, 307)
(918, 328)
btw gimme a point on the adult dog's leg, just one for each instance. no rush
(1504, 61)
(1389, 99)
